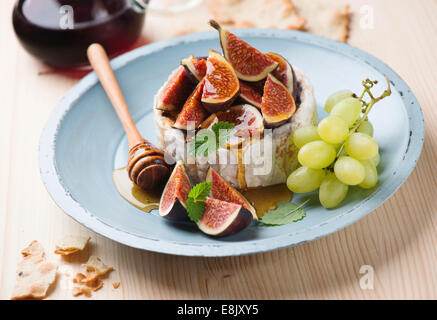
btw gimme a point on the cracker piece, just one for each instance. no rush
(279, 14)
(71, 244)
(325, 18)
(77, 291)
(35, 274)
(34, 248)
(96, 265)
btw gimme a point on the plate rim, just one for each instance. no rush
(65, 201)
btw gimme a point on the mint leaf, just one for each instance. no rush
(207, 141)
(203, 143)
(223, 130)
(200, 192)
(195, 210)
(196, 200)
(286, 213)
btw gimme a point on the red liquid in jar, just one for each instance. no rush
(47, 33)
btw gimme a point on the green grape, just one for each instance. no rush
(348, 109)
(333, 130)
(361, 146)
(304, 135)
(336, 97)
(376, 160)
(371, 178)
(332, 191)
(349, 171)
(316, 155)
(305, 180)
(366, 128)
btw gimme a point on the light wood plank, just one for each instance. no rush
(399, 239)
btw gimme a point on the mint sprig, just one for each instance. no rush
(207, 141)
(285, 213)
(196, 201)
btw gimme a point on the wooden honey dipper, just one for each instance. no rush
(146, 165)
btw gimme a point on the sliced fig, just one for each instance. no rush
(173, 202)
(222, 218)
(251, 94)
(222, 190)
(221, 83)
(247, 119)
(249, 63)
(195, 67)
(277, 104)
(176, 91)
(284, 73)
(192, 113)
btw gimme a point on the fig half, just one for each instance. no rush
(249, 63)
(247, 119)
(195, 68)
(173, 204)
(176, 91)
(222, 190)
(278, 104)
(192, 113)
(222, 218)
(284, 73)
(251, 94)
(221, 83)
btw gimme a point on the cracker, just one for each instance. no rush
(115, 285)
(35, 274)
(92, 279)
(71, 244)
(325, 18)
(77, 291)
(34, 248)
(96, 265)
(256, 13)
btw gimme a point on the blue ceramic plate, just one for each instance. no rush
(83, 142)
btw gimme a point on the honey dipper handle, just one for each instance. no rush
(100, 63)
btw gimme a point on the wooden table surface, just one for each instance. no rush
(399, 240)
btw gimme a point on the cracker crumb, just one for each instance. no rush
(115, 285)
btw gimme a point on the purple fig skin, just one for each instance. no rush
(223, 106)
(240, 221)
(177, 212)
(243, 220)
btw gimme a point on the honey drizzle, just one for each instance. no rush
(267, 198)
(145, 201)
(241, 174)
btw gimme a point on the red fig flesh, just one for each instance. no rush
(247, 119)
(222, 218)
(221, 84)
(284, 73)
(222, 190)
(192, 113)
(195, 67)
(277, 104)
(249, 63)
(251, 94)
(176, 91)
(173, 202)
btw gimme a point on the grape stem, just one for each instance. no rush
(367, 106)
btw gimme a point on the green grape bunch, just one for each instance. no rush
(340, 152)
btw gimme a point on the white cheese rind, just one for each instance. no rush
(283, 153)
